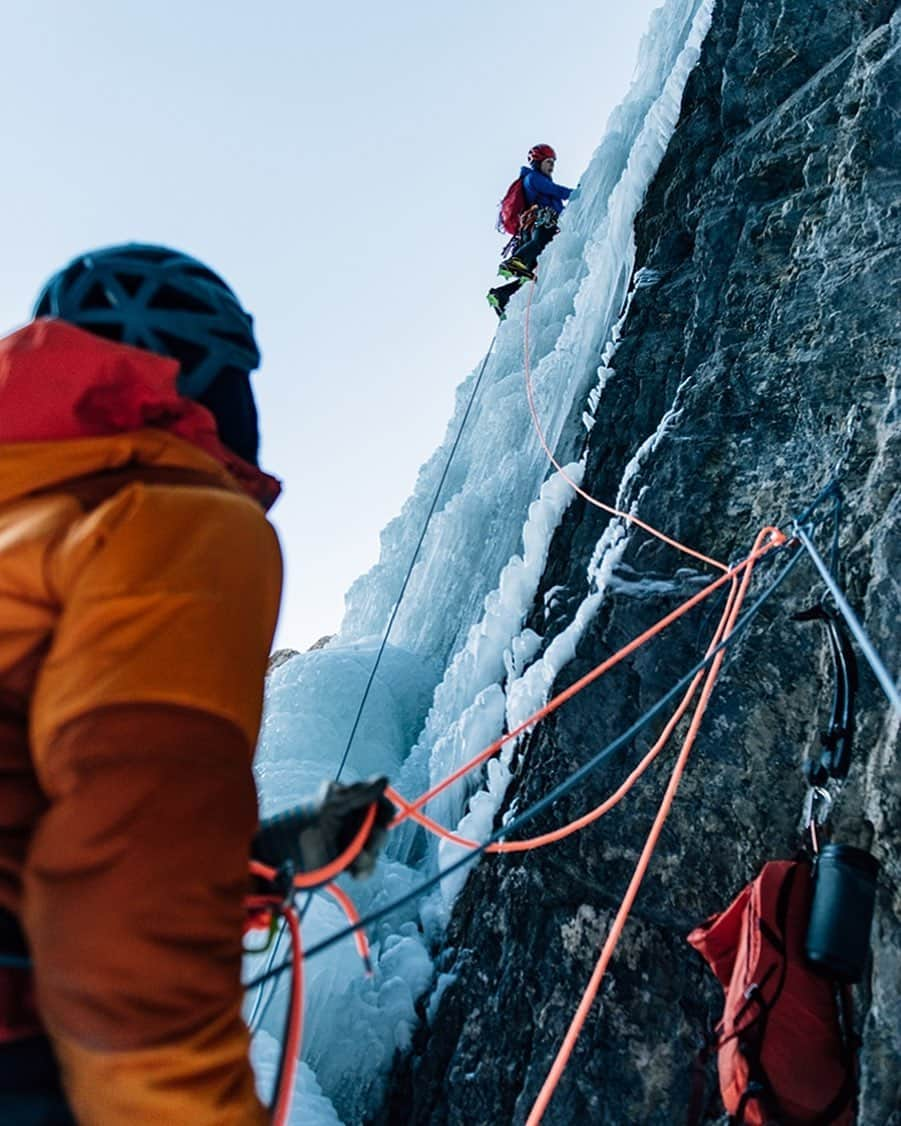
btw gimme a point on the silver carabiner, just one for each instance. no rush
(815, 811)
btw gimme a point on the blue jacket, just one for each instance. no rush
(542, 190)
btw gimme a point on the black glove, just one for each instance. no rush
(312, 835)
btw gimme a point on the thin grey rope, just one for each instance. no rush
(844, 607)
(425, 528)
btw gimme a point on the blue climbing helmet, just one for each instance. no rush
(161, 300)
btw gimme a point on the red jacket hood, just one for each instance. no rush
(58, 381)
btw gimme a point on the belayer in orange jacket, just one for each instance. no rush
(139, 589)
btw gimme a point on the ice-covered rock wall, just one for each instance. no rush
(710, 337)
(459, 665)
(759, 355)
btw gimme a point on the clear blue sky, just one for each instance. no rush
(340, 165)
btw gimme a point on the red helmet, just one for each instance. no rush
(537, 153)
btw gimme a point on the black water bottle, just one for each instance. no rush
(838, 934)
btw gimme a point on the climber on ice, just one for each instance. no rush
(529, 212)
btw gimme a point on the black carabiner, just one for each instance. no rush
(838, 738)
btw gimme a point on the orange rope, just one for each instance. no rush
(409, 807)
(282, 1106)
(257, 903)
(587, 496)
(605, 806)
(353, 917)
(328, 871)
(619, 922)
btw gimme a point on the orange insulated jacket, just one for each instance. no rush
(139, 588)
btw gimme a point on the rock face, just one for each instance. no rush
(763, 329)
(279, 658)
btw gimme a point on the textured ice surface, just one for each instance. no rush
(311, 702)
(308, 1104)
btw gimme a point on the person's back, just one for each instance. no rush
(139, 588)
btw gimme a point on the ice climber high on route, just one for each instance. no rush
(529, 212)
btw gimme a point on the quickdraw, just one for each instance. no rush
(838, 738)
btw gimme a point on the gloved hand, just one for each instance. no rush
(312, 835)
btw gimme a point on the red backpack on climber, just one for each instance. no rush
(529, 211)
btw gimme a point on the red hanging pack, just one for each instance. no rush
(783, 1045)
(511, 207)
